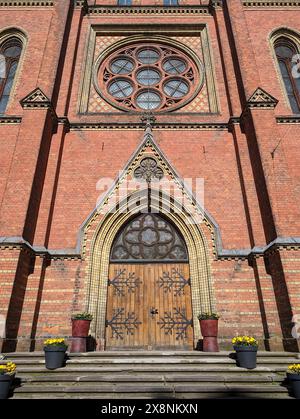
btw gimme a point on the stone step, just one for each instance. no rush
(133, 377)
(150, 368)
(148, 375)
(122, 391)
(155, 361)
(171, 369)
(154, 354)
(153, 396)
(145, 388)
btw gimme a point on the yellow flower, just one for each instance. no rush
(8, 368)
(294, 369)
(244, 340)
(56, 341)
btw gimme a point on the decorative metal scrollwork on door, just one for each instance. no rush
(124, 281)
(173, 280)
(175, 321)
(122, 323)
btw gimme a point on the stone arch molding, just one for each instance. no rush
(103, 225)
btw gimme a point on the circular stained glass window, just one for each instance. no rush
(121, 66)
(148, 56)
(152, 77)
(148, 77)
(176, 88)
(148, 100)
(120, 88)
(174, 66)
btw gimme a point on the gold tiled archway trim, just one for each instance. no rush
(200, 274)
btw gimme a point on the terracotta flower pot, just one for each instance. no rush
(80, 328)
(209, 330)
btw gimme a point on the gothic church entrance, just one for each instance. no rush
(149, 290)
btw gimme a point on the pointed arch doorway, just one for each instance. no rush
(149, 304)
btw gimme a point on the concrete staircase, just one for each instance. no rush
(147, 375)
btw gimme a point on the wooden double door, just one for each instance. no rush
(149, 307)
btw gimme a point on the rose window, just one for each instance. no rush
(149, 78)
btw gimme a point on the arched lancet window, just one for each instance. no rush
(285, 51)
(10, 52)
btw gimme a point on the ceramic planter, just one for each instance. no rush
(294, 380)
(5, 383)
(80, 328)
(209, 331)
(246, 356)
(55, 356)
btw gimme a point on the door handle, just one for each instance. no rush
(153, 311)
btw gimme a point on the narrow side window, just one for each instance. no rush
(10, 52)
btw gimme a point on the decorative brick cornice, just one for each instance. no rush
(205, 126)
(63, 120)
(288, 119)
(216, 4)
(19, 243)
(269, 3)
(279, 244)
(149, 10)
(27, 3)
(81, 4)
(10, 120)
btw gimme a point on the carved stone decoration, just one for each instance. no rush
(148, 237)
(36, 97)
(123, 323)
(148, 170)
(124, 281)
(261, 99)
(176, 321)
(173, 281)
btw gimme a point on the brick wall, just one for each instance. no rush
(49, 170)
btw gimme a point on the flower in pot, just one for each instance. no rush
(81, 325)
(7, 373)
(246, 351)
(293, 374)
(209, 331)
(55, 352)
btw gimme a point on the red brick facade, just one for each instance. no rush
(240, 136)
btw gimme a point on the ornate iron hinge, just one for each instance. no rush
(174, 280)
(177, 322)
(121, 323)
(121, 282)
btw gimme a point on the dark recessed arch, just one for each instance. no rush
(149, 237)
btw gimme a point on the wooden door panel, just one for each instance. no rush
(133, 291)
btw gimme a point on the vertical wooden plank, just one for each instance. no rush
(131, 309)
(151, 304)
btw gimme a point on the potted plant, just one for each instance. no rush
(7, 373)
(246, 351)
(55, 352)
(293, 374)
(81, 325)
(209, 331)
